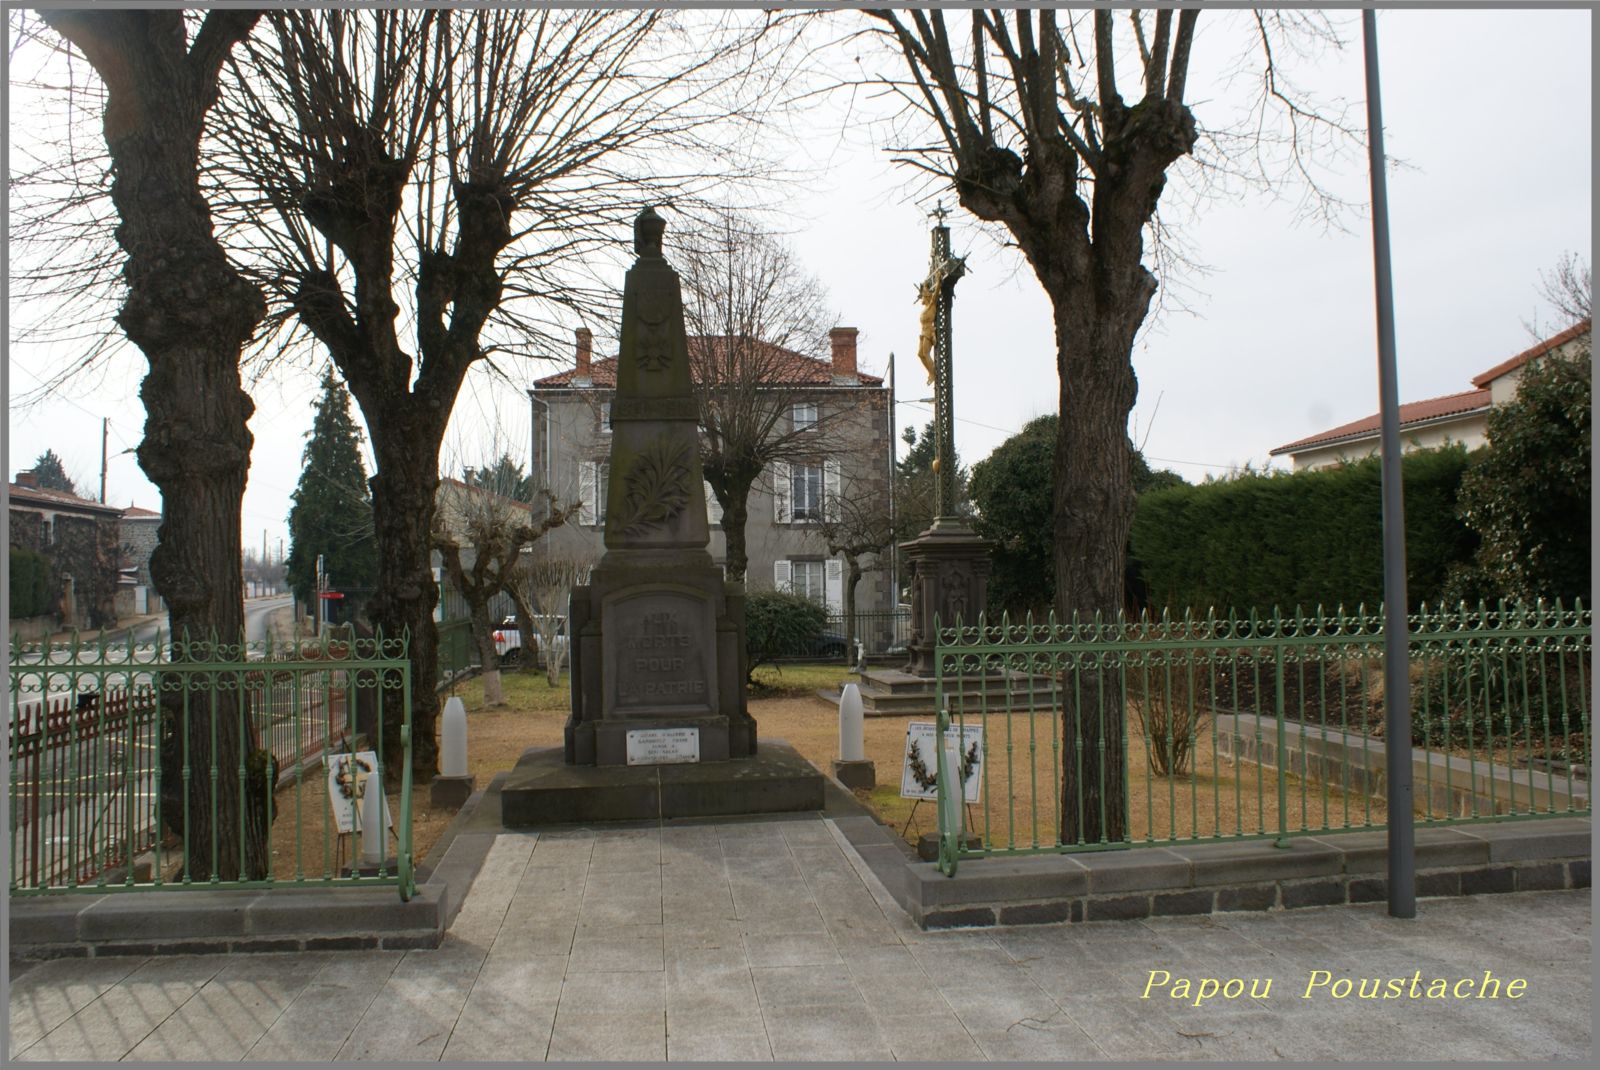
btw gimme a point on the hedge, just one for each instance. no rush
(30, 583)
(1262, 540)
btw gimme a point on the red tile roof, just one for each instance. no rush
(133, 512)
(1416, 412)
(57, 499)
(788, 366)
(1553, 342)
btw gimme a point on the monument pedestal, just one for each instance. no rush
(545, 790)
(949, 572)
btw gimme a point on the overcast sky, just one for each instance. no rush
(1490, 110)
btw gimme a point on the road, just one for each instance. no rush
(257, 611)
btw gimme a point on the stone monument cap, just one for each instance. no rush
(647, 230)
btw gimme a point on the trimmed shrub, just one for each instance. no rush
(1261, 540)
(779, 624)
(30, 583)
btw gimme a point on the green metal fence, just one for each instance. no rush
(201, 764)
(1101, 734)
(457, 651)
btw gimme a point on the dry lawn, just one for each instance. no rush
(1216, 799)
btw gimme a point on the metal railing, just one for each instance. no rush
(879, 634)
(457, 651)
(1149, 731)
(201, 764)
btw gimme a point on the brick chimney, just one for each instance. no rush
(585, 340)
(844, 354)
(27, 479)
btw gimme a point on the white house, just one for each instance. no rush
(1434, 422)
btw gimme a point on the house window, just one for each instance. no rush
(805, 491)
(804, 415)
(593, 478)
(605, 418)
(806, 579)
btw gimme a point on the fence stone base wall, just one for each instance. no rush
(1509, 856)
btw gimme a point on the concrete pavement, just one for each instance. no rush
(770, 939)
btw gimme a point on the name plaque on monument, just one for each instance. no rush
(663, 746)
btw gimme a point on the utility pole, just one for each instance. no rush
(894, 543)
(105, 425)
(1396, 639)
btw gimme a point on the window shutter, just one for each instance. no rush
(588, 473)
(830, 490)
(780, 495)
(713, 507)
(781, 576)
(833, 586)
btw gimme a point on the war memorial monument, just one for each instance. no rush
(659, 724)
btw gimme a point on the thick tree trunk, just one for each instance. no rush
(488, 656)
(402, 507)
(191, 313)
(735, 514)
(1094, 503)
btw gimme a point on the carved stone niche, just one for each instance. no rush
(949, 575)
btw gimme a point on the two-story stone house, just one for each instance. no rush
(571, 444)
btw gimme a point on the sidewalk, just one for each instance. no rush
(770, 939)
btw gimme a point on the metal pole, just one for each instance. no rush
(1396, 655)
(105, 425)
(894, 539)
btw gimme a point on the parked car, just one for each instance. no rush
(508, 638)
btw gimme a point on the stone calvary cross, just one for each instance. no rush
(948, 563)
(657, 633)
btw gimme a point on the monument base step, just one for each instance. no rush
(544, 790)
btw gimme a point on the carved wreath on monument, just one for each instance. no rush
(656, 488)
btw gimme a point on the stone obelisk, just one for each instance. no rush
(657, 658)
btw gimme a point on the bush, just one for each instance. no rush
(779, 624)
(1528, 495)
(30, 583)
(1308, 538)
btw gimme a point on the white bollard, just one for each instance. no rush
(453, 739)
(374, 837)
(852, 744)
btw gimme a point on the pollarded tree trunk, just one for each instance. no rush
(402, 508)
(1094, 506)
(735, 514)
(191, 313)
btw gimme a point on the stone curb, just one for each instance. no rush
(179, 922)
(1212, 878)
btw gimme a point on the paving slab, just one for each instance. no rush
(776, 939)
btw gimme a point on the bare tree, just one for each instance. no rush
(496, 529)
(423, 190)
(857, 526)
(191, 312)
(541, 590)
(1567, 289)
(1031, 128)
(758, 326)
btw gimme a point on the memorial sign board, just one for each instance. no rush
(917, 778)
(663, 746)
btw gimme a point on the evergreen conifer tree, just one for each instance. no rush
(52, 474)
(332, 511)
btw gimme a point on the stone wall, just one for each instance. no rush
(85, 548)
